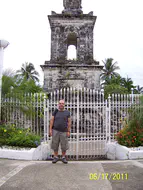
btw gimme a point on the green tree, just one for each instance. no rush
(12, 84)
(128, 84)
(8, 81)
(138, 90)
(28, 72)
(114, 89)
(117, 80)
(18, 98)
(27, 86)
(109, 69)
(112, 82)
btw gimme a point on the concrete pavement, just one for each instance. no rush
(76, 175)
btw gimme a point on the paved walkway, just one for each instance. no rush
(77, 175)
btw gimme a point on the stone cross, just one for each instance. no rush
(72, 4)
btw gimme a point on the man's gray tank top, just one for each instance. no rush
(61, 120)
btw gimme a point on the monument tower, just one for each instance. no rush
(71, 27)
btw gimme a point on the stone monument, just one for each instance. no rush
(71, 27)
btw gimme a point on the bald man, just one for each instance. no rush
(60, 125)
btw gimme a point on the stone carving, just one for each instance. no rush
(72, 4)
(53, 13)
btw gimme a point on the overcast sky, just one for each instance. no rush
(118, 33)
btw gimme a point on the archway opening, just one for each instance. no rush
(71, 54)
(72, 46)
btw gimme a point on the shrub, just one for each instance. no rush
(130, 138)
(132, 133)
(12, 136)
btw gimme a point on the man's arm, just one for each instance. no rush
(51, 125)
(69, 124)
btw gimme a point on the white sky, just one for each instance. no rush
(118, 33)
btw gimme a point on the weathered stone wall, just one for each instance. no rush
(67, 31)
(69, 76)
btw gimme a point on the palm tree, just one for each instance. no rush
(28, 72)
(139, 89)
(117, 80)
(8, 81)
(109, 69)
(128, 84)
(13, 91)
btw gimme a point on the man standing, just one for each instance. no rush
(60, 125)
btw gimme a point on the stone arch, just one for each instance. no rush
(72, 39)
(71, 52)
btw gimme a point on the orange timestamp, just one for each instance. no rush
(108, 176)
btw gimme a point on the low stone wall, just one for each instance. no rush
(116, 151)
(40, 153)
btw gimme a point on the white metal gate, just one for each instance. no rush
(89, 114)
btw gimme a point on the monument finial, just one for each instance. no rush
(72, 6)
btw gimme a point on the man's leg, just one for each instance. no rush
(64, 154)
(55, 153)
(64, 146)
(55, 145)
(56, 158)
(64, 160)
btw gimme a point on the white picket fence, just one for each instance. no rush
(95, 120)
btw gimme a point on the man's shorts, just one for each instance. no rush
(59, 138)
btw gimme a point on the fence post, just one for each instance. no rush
(132, 93)
(77, 144)
(109, 118)
(106, 118)
(46, 118)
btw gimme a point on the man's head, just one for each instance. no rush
(61, 104)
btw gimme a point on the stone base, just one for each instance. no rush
(58, 76)
(40, 153)
(116, 151)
